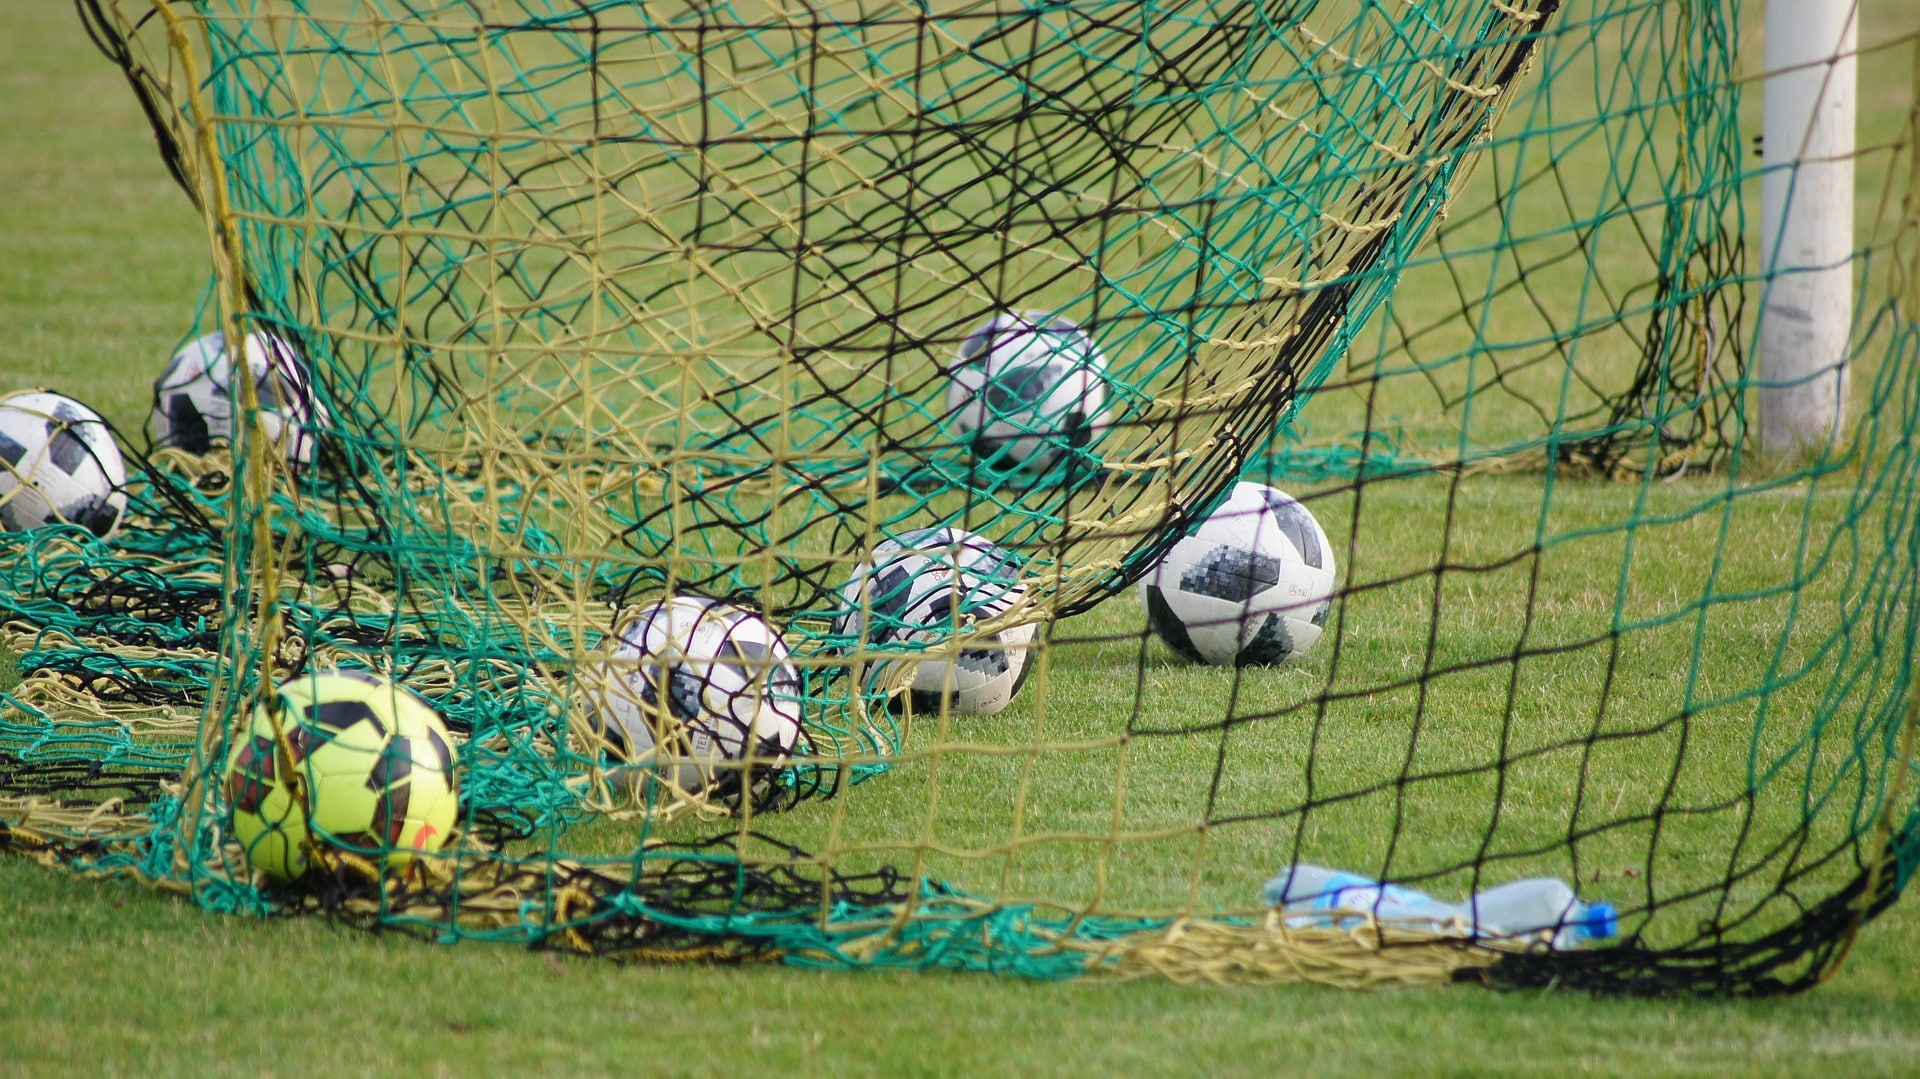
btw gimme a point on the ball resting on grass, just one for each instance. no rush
(345, 760)
(195, 399)
(700, 693)
(1028, 395)
(58, 464)
(1252, 585)
(925, 590)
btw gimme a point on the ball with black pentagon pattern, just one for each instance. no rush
(700, 692)
(58, 464)
(341, 758)
(918, 598)
(195, 400)
(1028, 392)
(1252, 585)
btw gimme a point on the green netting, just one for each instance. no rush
(605, 302)
(1585, 302)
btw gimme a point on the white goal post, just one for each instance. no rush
(1806, 222)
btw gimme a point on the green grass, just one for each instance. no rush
(107, 979)
(105, 263)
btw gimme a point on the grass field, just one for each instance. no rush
(106, 262)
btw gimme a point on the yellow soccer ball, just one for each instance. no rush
(372, 765)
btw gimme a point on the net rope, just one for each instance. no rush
(607, 302)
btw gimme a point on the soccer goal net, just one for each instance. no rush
(1004, 486)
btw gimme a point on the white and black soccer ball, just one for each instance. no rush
(692, 688)
(58, 462)
(1253, 584)
(924, 589)
(1027, 391)
(195, 399)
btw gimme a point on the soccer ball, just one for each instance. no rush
(1252, 584)
(693, 688)
(923, 587)
(58, 462)
(194, 400)
(1027, 391)
(371, 769)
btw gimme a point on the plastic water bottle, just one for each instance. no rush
(1311, 894)
(1538, 905)
(1313, 891)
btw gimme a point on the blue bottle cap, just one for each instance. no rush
(1600, 922)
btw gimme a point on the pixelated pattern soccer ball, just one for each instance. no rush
(373, 763)
(58, 462)
(194, 399)
(1028, 392)
(928, 585)
(694, 684)
(1253, 584)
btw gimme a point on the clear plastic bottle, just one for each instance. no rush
(1540, 904)
(1311, 893)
